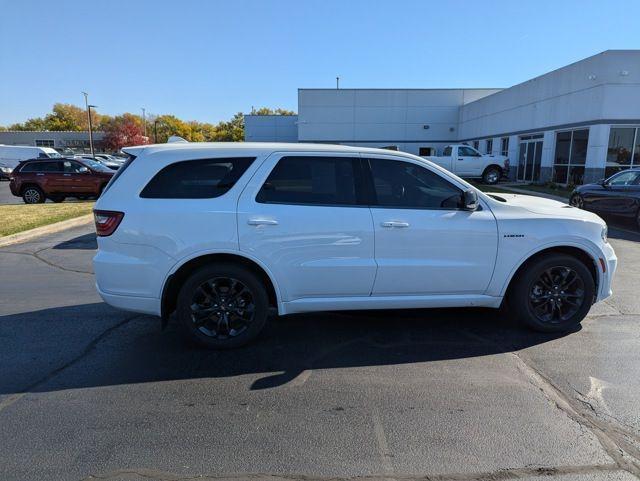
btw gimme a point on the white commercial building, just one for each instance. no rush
(573, 125)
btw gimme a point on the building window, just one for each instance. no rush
(570, 156)
(426, 151)
(476, 144)
(489, 145)
(623, 151)
(504, 146)
(44, 143)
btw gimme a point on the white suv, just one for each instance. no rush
(219, 233)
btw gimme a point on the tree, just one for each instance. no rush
(63, 117)
(124, 131)
(232, 130)
(269, 111)
(168, 125)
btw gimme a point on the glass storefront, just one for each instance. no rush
(624, 149)
(570, 156)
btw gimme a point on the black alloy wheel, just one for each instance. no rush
(552, 293)
(222, 306)
(556, 295)
(577, 201)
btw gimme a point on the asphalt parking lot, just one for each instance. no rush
(89, 392)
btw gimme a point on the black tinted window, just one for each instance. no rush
(402, 184)
(41, 167)
(196, 179)
(311, 180)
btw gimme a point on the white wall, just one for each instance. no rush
(605, 86)
(382, 115)
(270, 128)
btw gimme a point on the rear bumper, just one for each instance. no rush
(143, 305)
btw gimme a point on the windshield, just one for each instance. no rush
(95, 165)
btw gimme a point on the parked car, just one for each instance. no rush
(619, 195)
(111, 164)
(218, 233)
(56, 179)
(467, 162)
(12, 155)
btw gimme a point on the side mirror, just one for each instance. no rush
(469, 200)
(603, 182)
(83, 170)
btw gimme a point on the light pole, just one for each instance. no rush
(144, 122)
(86, 103)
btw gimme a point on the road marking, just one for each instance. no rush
(301, 378)
(5, 403)
(595, 392)
(383, 445)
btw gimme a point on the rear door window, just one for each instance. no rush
(41, 167)
(196, 179)
(311, 180)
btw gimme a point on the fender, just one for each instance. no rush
(204, 252)
(590, 250)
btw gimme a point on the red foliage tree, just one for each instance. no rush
(124, 131)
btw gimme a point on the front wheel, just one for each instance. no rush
(222, 306)
(491, 175)
(577, 201)
(554, 294)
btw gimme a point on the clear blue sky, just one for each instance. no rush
(206, 60)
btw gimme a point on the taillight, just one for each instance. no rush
(107, 221)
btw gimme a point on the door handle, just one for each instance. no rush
(460, 158)
(395, 223)
(67, 175)
(262, 222)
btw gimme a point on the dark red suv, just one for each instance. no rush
(37, 180)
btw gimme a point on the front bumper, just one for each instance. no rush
(610, 261)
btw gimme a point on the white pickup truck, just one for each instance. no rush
(465, 161)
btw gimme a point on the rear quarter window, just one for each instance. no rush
(196, 179)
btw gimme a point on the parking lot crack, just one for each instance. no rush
(527, 472)
(84, 353)
(36, 255)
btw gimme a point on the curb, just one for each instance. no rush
(45, 229)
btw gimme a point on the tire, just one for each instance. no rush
(57, 198)
(534, 298)
(232, 306)
(491, 175)
(33, 195)
(577, 201)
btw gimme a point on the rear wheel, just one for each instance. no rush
(222, 306)
(491, 175)
(33, 195)
(553, 294)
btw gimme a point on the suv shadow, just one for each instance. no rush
(137, 351)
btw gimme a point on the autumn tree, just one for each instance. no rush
(268, 111)
(62, 117)
(124, 131)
